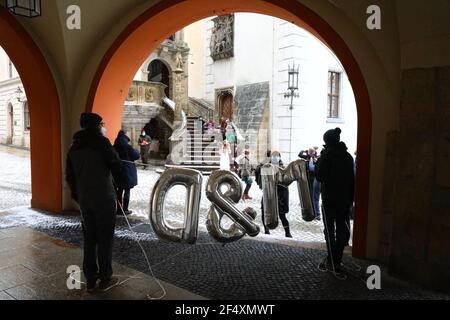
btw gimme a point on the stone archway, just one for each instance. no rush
(225, 103)
(44, 107)
(159, 72)
(168, 16)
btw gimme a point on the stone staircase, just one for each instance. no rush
(202, 153)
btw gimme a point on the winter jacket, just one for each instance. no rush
(127, 178)
(245, 167)
(91, 163)
(334, 170)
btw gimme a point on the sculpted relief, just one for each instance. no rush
(149, 95)
(222, 38)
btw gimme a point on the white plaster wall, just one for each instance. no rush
(4, 66)
(309, 116)
(194, 37)
(253, 36)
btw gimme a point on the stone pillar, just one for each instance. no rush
(420, 248)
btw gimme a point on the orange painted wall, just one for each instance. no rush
(44, 107)
(115, 74)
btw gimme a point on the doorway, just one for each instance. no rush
(225, 101)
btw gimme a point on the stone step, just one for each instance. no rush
(205, 170)
(201, 163)
(202, 144)
(195, 153)
(199, 156)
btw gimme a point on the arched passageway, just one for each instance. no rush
(110, 85)
(44, 113)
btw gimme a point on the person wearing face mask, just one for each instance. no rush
(144, 142)
(282, 195)
(91, 164)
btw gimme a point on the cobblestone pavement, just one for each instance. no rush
(15, 177)
(15, 190)
(245, 269)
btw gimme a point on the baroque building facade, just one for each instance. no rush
(157, 95)
(242, 61)
(14, 112)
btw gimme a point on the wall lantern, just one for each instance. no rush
(25, 8)
(18, 94)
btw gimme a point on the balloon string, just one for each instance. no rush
(145, 256)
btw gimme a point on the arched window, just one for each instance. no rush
(10, 124)
(10, 68)
(158, 72)
(26, 116)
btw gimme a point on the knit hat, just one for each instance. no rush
(332, 137)
(90, 120)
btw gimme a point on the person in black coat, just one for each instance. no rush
(127, 179)
(91, 164)
(334, 170)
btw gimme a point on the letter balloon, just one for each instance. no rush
(192, 180)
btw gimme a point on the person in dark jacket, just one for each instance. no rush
(127, 179)
(282, 193)
(334, 170)
(91, 163)
(144, 142)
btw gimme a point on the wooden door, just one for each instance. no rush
(227, 106)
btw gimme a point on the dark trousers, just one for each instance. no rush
(247, 188)
(316, 197)
(248, 183)
(98, 230)
(145, 153)
(337, 231)
(123, 196)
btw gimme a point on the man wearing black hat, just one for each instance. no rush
(334, 170)
(91, 164)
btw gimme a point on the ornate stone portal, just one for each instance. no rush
(222, 38)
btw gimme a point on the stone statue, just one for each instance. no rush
(179, 61)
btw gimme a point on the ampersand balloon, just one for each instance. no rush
(224, 203)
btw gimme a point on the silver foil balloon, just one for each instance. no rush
(225, 201)
(225, 235)
(269, 177)
(192, 180)
(297, 171)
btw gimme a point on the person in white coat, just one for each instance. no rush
(225, 153)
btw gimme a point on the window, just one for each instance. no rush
(10, 68)
(26, 117)
(334, 82)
